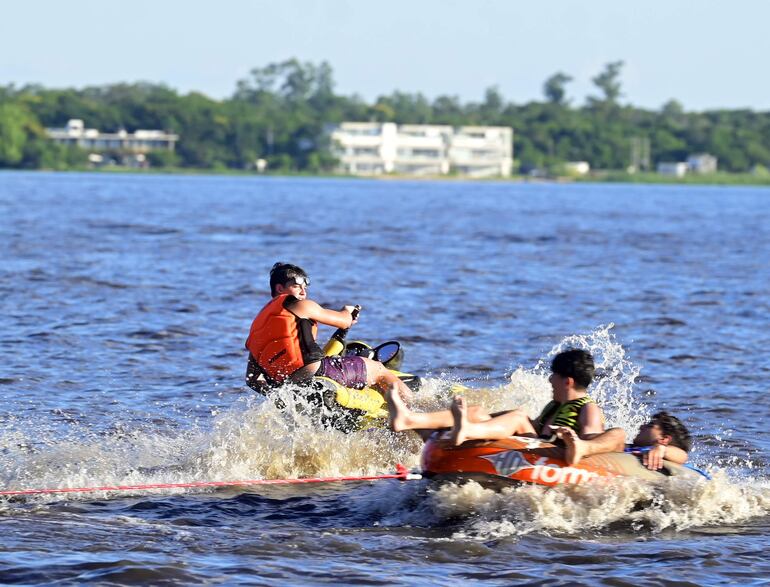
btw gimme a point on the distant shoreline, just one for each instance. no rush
(719, 178)
(714, 179)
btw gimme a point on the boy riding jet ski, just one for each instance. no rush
(283, 349)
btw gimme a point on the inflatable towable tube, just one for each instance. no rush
(530, 460)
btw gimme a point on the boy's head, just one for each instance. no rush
(575, 363)
(285, 278)
(663, 428)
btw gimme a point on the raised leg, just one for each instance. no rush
(383, 379)
(402, 418)
(501, 426)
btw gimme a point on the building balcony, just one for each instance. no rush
(419, 159)
(416, 168)
(486, 159)
(356, 140)
(360, 158)
(407, 142)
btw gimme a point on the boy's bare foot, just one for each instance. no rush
(460, 414)
(386, 382)
(398, 413)
(573, 444)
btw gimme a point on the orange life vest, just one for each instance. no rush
(281, 342)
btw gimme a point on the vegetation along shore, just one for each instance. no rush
(277, 119)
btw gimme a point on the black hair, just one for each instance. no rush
(283, 272)
(575, 363)
(673, 427)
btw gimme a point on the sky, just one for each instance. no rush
(706, 54)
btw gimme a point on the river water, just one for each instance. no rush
(125, 301)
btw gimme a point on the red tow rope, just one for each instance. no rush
(401, 473)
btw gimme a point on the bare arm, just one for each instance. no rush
(312, 310)
(591, 421)
(653, 458)
(676, 455)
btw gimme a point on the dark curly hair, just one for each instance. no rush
(283, 272)
(673, 427)
(575, 363)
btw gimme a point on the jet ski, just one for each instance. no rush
(330, 402)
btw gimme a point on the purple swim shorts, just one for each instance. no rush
(349, 371)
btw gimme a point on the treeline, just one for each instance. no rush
(280, 112)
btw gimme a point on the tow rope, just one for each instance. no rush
(401, 473)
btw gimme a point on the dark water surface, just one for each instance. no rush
(125, 301)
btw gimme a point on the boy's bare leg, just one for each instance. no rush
(460, 417)
(379, 376)
(497, 428)
(402, 418)
(612, 440)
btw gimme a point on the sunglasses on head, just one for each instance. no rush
(299, 280)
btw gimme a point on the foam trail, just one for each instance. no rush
(254, 439)
(625, 505)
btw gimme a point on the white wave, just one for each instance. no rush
(253, 439)
(624, 504)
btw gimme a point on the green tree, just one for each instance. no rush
(554, 88)
(449, 110)
(14, 123)
(280, 113)
(608, 81)
(490, 110)
(404, 108)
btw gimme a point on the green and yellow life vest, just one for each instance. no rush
(566, 414)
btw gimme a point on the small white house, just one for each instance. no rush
(702, 163)
(678, 169)
(577, 167)
(141, 141)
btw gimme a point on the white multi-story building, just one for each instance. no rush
(420, 149)
(481, 151)
(90, 139)
(373, 148)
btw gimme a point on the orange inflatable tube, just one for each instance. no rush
(528, 460)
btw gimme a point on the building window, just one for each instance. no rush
(483, 154)
(432, 153)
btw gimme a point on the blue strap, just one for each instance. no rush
(702, 472)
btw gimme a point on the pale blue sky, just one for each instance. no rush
(705, 53)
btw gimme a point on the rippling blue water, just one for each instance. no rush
(125, 301)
